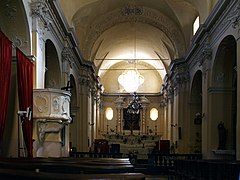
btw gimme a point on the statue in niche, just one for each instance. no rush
(222, 134)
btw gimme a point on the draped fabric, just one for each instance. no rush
(25, 94)
(5, 78)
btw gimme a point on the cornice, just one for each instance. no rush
(69, 33)
(224, 14)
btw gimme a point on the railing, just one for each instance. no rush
(207, 169)
(168, 160)
(95, 155)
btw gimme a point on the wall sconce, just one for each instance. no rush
(109, 113)
(154, 114)
(198, 118)
(173, 125)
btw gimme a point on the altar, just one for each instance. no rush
(141, 145)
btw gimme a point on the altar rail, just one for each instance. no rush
(158, 159)
(207, 169)
(95, 155)
(156, 163)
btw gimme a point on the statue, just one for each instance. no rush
(222, 133)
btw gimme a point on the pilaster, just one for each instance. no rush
(205, 63)
(84, 82)
(238, 101)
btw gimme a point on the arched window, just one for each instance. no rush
(196, 25)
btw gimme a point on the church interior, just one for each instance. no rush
(119, 89)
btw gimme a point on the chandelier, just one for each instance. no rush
(135, 105)
(131, 80)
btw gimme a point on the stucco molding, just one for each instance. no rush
(67, 60)
(10, 11)
(41, 19)
(147, 16)
(39, 8)
(84, 81)
(234, 16)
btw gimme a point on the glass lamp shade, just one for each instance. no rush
(131, 80)
(109, 113)
(154, 114)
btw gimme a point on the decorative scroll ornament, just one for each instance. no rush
(67, 59)
(84, 80)
(40, 9)
(11, 11)
(18, 41)
(234, 16)
(67, 55)
(206, 54)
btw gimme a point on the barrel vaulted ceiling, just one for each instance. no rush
(155, 32)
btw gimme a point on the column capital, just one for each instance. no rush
(234, 16)
(120, 101)
(67, 60)
(40, 9)
(84, 80)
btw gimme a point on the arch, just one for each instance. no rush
(52, 65)
(12, 15)
(149, 16)
(223, 92)
(224, 63)
(195, 124)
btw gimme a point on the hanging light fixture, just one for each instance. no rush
(131, 79)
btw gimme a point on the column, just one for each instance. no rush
(40, 23)
(238, 102)
(205, 64)
(119, 106)
(84, 112)
(98, 122)
(144, 124)
(180, 121)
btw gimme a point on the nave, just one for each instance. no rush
(154, 82)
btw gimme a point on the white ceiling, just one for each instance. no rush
(108, 30)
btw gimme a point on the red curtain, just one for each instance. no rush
(25, 94)
(5, 77)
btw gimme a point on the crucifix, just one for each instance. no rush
(68, 87)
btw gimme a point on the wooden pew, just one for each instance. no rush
(85, 166)
(11, 174)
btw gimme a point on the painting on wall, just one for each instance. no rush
(131, 121)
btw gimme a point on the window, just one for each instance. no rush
(196, 25)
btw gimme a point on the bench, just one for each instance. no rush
(69, 165)
(11, 174)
